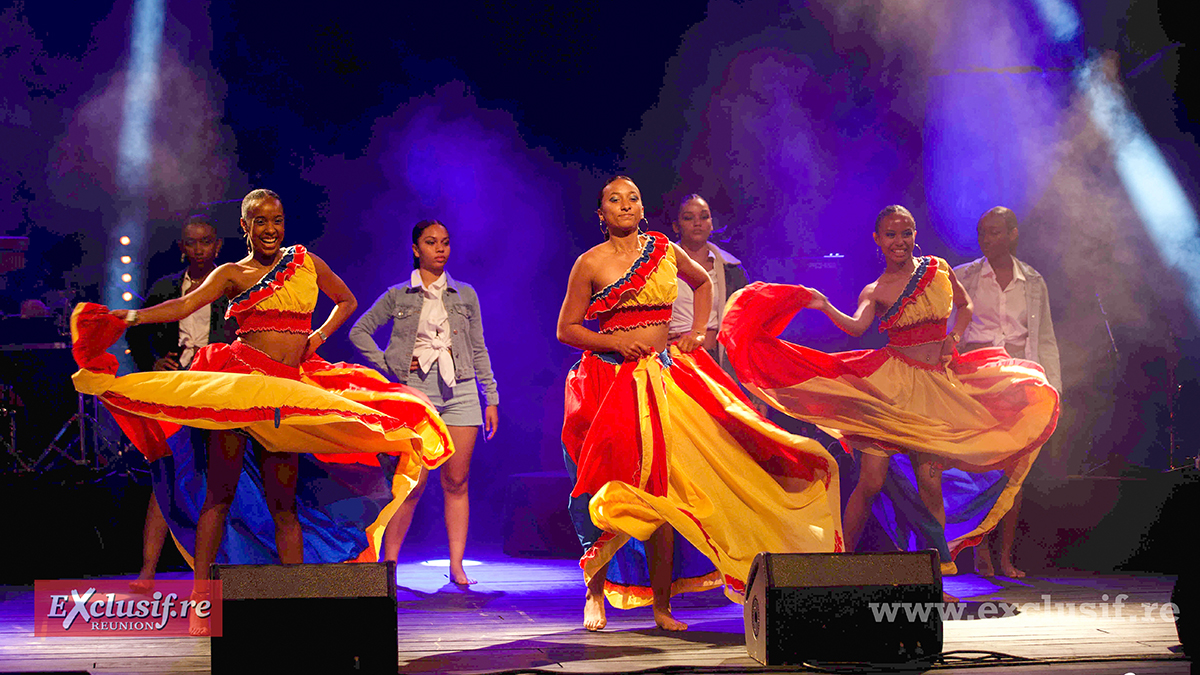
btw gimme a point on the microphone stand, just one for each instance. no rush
(1113, 357)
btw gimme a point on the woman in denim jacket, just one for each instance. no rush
(436, 347)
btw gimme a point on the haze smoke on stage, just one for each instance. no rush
(517, 219)
(190, 158)
(146, 144)
(1156, 194)
(797, 127)
(798, 124)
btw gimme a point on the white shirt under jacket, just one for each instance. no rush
(433, 329)
(193, 329)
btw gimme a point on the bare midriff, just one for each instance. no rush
(654, 336)
(927, 353)
(286, 348)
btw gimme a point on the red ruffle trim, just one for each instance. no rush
(910, 295)
(634, 316)
(678, 586)
(595, 549)
(285, 269)
(239, 357)
(280, 320)
(633, 281)
(922, 333)
(242, 417)
(93, 330)
(736, 585)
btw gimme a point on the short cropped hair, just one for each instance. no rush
(1005, 214)
(256, 196)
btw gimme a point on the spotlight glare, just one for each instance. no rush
(127, 296)
(1156, 194)
(127, 278)
(126, 259)
(1061, 18)
(124, 241)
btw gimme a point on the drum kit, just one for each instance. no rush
(35, 370)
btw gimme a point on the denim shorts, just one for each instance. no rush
(458, 406)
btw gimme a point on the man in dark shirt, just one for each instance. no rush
(172, 346)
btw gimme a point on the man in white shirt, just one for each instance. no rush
(1011, 309)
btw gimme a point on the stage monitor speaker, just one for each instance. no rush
(808, 607)
(1184, 595)
(536, 522)
(338, 618)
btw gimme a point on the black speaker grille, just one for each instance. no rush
(277, 582)
(863, 569)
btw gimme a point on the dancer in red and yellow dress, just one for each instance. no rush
(662, 440)
(271, 386)
(984, 415)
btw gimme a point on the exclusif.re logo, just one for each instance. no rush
(73, 607)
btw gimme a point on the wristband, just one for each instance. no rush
(131, 317)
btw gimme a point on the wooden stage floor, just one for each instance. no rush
(526, 614)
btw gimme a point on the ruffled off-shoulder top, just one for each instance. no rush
(644, 294)
(919, 316)
(283, 300)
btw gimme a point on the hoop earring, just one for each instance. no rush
(918, 247)
(182, 257)
(643, 220)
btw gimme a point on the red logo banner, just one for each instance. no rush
(101, 607)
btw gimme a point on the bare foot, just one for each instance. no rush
(196, 625)
(947, 598)
(667, 621)
(593, 612)
(1008, 570)
(142, 585)
(983, 559)
(983, 567)
(460, 577)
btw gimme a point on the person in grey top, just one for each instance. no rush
(436, 347)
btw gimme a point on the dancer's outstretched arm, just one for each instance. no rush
(855, 325)
(214, 286)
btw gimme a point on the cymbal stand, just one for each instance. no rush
(79, 440)
(8, 415)
(73, 435)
